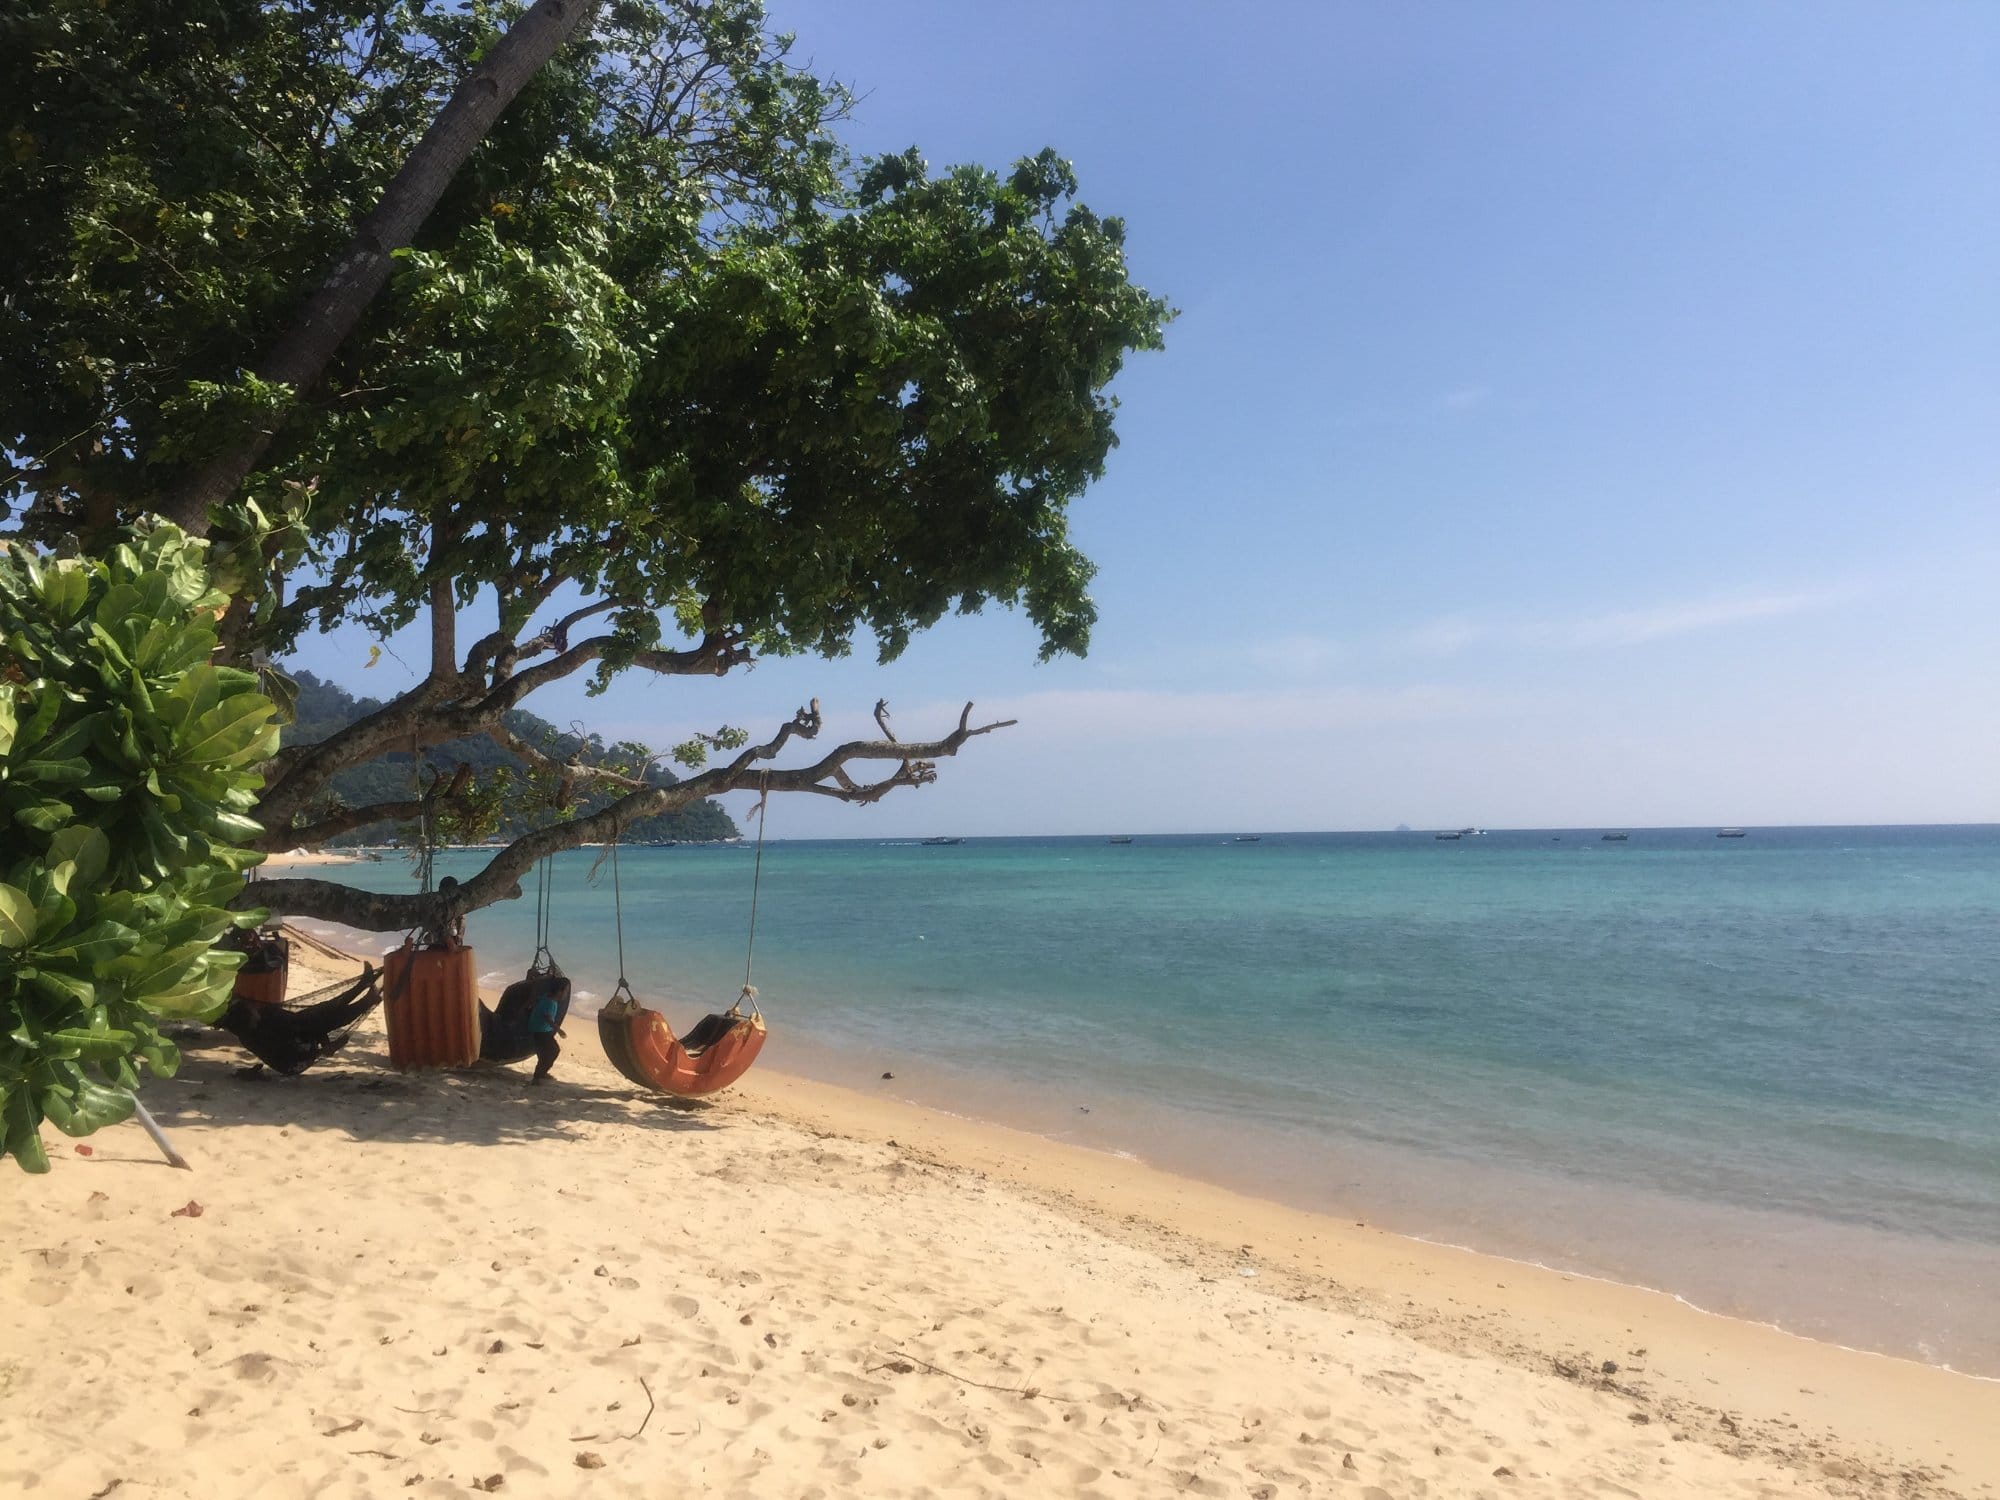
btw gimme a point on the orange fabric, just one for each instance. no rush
(644, 1048)
(433, 1013)
(267, 988)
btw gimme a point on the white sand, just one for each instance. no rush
(416, 1285)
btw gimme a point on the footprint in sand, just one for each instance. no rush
(255, 1365)
(686, 1306)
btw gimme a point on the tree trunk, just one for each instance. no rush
(303, 350)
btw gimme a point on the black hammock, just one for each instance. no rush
(504, 1036)
(291, 1038)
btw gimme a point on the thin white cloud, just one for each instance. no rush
(1289, 655)
(1304, 656)
(1627, 627)
(1446, 634)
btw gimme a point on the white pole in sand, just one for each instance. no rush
(174, 1158)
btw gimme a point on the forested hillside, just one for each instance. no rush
(324, 708)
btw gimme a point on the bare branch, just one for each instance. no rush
(574, 770)
(431, 714)
(500, 880)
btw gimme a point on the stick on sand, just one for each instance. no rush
(174, 1158)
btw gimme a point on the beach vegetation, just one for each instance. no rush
(128, 769)
(665, 380)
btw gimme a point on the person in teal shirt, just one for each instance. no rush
(544, 1023)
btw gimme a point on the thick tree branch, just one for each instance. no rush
(333, 825)
(430, 713)
(444, 633)
(500, 880)
(302, 352)
(498, 647)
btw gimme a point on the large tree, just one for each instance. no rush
(663, 382)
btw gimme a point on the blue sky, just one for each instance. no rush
(1578, 414)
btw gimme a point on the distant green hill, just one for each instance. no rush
(324, 708)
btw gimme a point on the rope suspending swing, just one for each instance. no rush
(505, 1032)
(718, 1050)
(624, 986)
(756, 885)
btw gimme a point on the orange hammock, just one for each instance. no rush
(714, 1055)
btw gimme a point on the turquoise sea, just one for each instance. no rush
(1760, 1073)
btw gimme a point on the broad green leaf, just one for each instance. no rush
(17, 917)
(93, 1046)
(226, 731)
(64, 987)
(64, 588)
(85, 847)
(22, 1140)
(98, 944)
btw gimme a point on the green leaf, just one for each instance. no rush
(86, 848)
(99, 943)
(65, 587)
(20, 1132)
(226, 731)
(17, 917)
(92, 1046)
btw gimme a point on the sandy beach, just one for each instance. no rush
(304, 858)
(449, 1284)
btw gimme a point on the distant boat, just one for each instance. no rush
(1461, 833)
(1117, 841)
(1616, 838)
(941, 843)
(1248, 838)
(1732, 833)
(1455, 835)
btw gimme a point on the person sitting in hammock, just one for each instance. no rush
(291, 1039)
(544, 1026)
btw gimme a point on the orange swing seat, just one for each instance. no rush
(431, 1005)
(642, 1046)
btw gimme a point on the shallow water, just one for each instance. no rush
(1760, 1073)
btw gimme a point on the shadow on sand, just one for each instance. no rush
(356, 1094)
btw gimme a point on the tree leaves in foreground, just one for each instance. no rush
(667, 380)
(127, 767)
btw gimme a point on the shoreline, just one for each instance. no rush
(1258, 1164)
(1653, 1395)
(1548, 1318)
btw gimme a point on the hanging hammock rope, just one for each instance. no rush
(639, 1043)
(545, 895)
(623, 987)
(505, 1033)
(756, 885)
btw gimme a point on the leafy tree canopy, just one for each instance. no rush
(663, 348)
